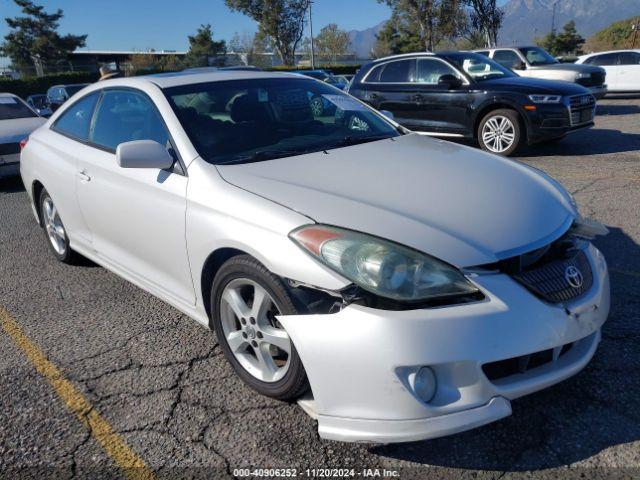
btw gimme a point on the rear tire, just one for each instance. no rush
(54, 230)
(500, 132)
(255, 344)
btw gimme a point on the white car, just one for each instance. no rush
(622, 66)
(17, 121)
(402, 287)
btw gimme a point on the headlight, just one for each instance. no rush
(545, 98)
(380, 266)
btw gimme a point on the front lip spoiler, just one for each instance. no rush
(395, 431)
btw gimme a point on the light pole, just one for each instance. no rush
(635, 27)
(313, 55)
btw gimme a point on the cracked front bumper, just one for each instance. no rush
(360, 360)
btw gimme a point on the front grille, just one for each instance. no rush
(551, 281)
(582, 109)
(9, 148)
(595, 80)
(524, 363)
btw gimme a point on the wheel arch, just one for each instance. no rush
(485, 109)
(212, 264)
(36, 190)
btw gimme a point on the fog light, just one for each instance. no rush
(424, 384)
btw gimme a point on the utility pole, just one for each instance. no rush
(553, 18)
(313, 53)
(635, 27)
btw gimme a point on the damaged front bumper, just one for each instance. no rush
(361, 361)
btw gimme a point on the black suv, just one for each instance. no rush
(464, 94)
(58, 94)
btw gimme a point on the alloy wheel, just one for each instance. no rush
(498, 134)
(317, 108)
(254, 335)
(53, 225)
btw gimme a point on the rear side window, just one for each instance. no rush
(398, 72)
(76, 120)
(124, 116)
(629, 58)
(507, 58)
(484, 52)
(605, 60)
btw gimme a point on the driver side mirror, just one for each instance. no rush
(519, 66)
(450, 81)
(143, 154)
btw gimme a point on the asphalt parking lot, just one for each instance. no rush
(159, 383)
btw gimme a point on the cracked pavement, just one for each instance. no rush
(160, 380)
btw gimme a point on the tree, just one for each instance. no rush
(202, 48)
(432, 20)
(282, 21)
(618, 35)
(566, 42)
(397, 36)
(34, 39)
(332, 42)
(485, 19)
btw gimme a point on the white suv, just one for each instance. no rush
(622, 67)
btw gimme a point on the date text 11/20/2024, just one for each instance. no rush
(316, 473)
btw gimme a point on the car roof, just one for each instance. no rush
(637, 50)
(404, 55)
(7, 94)
(176, 79)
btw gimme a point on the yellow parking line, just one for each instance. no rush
(115, 446)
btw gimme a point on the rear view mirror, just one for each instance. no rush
(450, 81)
(143, 154)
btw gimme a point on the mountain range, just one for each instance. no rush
(526, 19)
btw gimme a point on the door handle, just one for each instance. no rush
(418, 97)
(84, 176)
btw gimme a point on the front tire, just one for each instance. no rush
(56, 234)
(500, 132)
(245, 300)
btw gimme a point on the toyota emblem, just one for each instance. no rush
(573, 276)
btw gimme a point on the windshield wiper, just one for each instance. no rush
(263, 155)
(351, 140)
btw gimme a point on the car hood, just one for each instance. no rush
(568, 67)
(529, 86)
(16, 129)
(456, 203)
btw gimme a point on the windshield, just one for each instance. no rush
(252, 120)
(537, 56)
(11, 108)
(323, 76)
(38, 101)
(479, 67)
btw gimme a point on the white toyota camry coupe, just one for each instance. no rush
(401, 287)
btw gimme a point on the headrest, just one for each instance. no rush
(247, 108)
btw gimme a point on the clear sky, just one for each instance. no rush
(165, 24)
